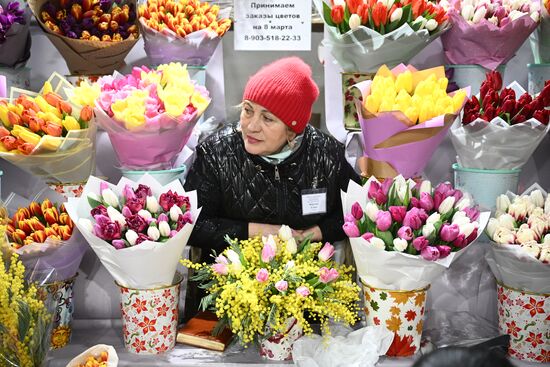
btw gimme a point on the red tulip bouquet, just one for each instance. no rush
(135, 226)
(365, 34)
(501, 127)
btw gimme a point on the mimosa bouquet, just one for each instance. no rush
(255, 286)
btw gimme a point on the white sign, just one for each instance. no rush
(268, 25)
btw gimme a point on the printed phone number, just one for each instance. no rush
(260, 37)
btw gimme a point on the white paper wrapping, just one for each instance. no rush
(391, 269)
(149, 264)
(359, 348)
(497, 145)
(95, 351)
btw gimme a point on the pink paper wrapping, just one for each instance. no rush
(484, 43)
(3, 86)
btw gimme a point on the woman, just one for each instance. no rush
(272, 168)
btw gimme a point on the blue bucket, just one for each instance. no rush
(162, 176)
(486, 185)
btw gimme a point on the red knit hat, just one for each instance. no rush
(285, 88)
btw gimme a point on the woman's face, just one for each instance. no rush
(263, 133)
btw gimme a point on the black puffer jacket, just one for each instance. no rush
(235, 187)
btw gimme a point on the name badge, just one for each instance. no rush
(314, 201)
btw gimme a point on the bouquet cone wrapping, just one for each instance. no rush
(497, 145)
(484, 44)
(95, 351)
(16, 48)
(401, 312)
(540, 38)
(150, 318)
(82, 56)
(127, 265)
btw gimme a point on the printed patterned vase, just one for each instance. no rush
(150, 318)
(525, 317)
(62, 295)
(401, 312)
(279, 347)
(351, 121)
(68, 190)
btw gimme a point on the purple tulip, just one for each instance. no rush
(136, 223)
(183, 219)
(367, 236)
(415, 203)
(383, 220)
(430, 253)
(398, 213)
(105, 229)
(118, 244)
(357, 211)
(472, 213)
(349, 218)
(134, 204)
(351, 230)
(128, 192)
(413, 219)
(405, 233)
(426, 201)
(460, 241)
(449, 233)
(444, 251)
(376, 193)
(163, 218)
(441, 192)
(127, 212)
(143, 191)
(99, 210)
(173, 233)
(420, 243)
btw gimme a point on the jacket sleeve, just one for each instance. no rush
(211, 227)
(331, 224)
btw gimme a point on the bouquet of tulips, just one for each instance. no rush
(155, 108)
(487, 32)
(405, 234)
(540, 38)
(43, 235)
(46, 135)
(501, 127)
(93, 36)
(15, 37)
(520, 231)
(186, 30)
(135, 226)
(365, 34)
(256, 285)
(404, 116)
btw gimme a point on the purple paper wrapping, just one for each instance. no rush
(484, 43)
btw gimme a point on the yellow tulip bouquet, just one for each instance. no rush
(255, 286)
(155, 109)
(24, 316)
(404, 115)
(46, 135)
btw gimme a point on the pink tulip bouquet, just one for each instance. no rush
(405, 234)
(156, 109)
(135, 226)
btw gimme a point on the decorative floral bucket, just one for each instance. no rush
(537, 74)
(68, 190)
(486, 185)
(164, 177)
(62, 294)
(279, 347)
(470, 75)
(402, 312)
(525, 317)
(16, 77)
(150, 318)
(351, 121)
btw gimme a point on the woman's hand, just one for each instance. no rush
(315, 233)
(262, 229)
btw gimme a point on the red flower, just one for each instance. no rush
(163, 348)
(353, 5)
(534, 307)
(410, 315)
(418, 7)
(166, 330)
(513, 329)
(162, 310)
(493, 80)
(363, 12)
(401, 347)
(147, 325)
(140, 306)
(542, 115)
(139, 345)
(376, 321)
(544, 356)
(379, 14)
(534, 339)
(166, 293)
(337, 14)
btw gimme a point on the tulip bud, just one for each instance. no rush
(65, 232)
(285, 233)
(428, 230)
(479, 14)
(152, 204)
(433, 218)
(537, 198)
(281, 285)
(45, 205)
(426, 186)
(131, 237)
(35, 209)
(467, 12)
(116, 216)
(396, 15)
(400, 244)
(447, 205)
(377, 243)
(291, 245)
(51, 216)
(39, 236)
(164, 229)
(110, 198)
(153, 233)
(35, 224)
(175, 212)
(145, 214)
(354, 21)
(372, 211)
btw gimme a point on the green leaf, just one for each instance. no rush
(305, 244)
(272, 315)
(407, 14)
(347, 14)
(24, 318)
(382, 29)
(327, 16)
(371, 21)
(383, 296)
(94, 203)
(384, 236)
(374, 305)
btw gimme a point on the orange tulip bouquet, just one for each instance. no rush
(48, 136)
(365, 34)
(186, 30)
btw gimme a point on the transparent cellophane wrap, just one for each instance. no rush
(159, 146)
(515, 268)
(496, 145)
(540, 38)
(194, 49)
(59, 160)
(95, 351)
(365, 50)
(53, 260)
(392, 269)
(85, 57)
(149, 264)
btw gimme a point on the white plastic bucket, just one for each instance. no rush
(470, 75)
(162, 176)
(537, 74)
(485, 185)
